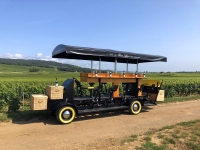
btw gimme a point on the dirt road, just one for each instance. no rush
(93, 132)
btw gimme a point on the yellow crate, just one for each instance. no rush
(38, 102)
(54, 92)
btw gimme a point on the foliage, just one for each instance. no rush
(34, 69)
(41, 63)
(179, 84)
(73, 69)
(2, 103)
(151, 146)
(12, 85)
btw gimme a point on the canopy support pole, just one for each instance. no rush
(115, 65)
(137, 67)
(91, 64)
(127, 66)
(100, 64)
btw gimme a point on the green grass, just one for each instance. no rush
(195, 75)
(181, 99)
(175, 136)
(183, 135)
(147, 138)
(193, 146)
(39, 76)
(151, 146)
(28, 115)
(150, 132)
(188, 134)
(22, 69)
(132, 138)
(166, 128)
(189, 124)
(4, 117)
(160, 136)
(197, 132)
(193, 137)
(168, 141)
(23, 115)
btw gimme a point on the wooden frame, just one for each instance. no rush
(114, 78)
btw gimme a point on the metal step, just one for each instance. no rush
(102, 109)
(83, 98)
(88, 98)
(148, 103)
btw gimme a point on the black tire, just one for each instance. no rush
(66, 114)
(135, 107)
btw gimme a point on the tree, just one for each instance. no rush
(34, 70)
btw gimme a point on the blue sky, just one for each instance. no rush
(32, 29)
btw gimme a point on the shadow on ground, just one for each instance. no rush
(27, 117)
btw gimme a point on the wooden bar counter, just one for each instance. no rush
(114, 78)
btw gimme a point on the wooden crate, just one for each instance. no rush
(54, 92)
(38, 102)
(161, 95)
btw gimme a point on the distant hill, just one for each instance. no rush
(44, 64)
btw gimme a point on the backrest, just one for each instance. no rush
(68, 89)
(153, 86)
(98, 90)
(114, 88)
(129, 87)
(100, 87)
(141, 86)
(78, 83)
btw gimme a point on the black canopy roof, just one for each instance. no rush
(86, 53)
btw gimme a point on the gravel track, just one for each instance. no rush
(93, 132)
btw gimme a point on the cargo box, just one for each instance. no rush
(54, 92)
(38, 102)
(161, 95)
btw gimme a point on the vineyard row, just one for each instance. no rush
(11, 92)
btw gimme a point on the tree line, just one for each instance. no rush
(42, 63)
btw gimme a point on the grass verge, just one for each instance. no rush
(25, 115)
(181, 99)
(187, 137)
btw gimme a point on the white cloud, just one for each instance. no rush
(71, 61)
(38, 55)
(48, 59)
(8, 55)
(18, 56)
(11, 56)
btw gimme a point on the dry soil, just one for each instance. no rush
(100, 131)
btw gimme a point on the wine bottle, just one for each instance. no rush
(136, 74)
(56, 83)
